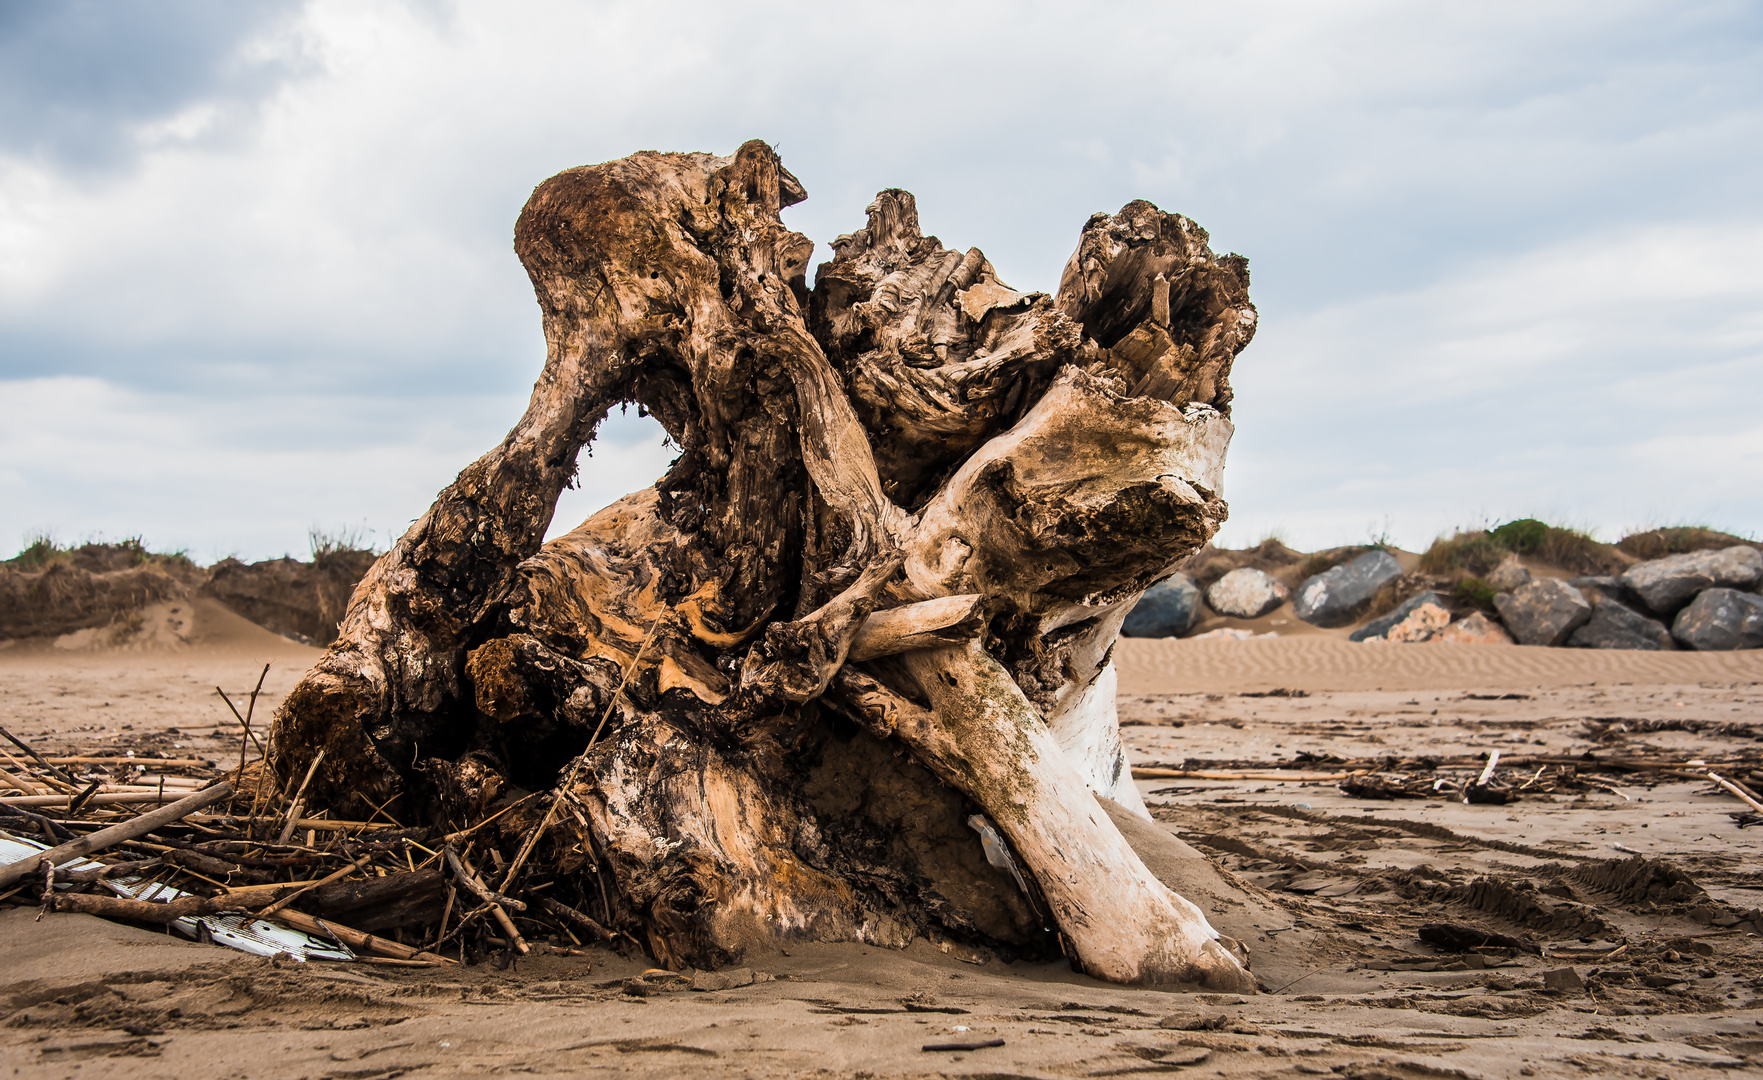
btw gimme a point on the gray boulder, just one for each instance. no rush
(1169, 608)
(1246, 594)
(1380, 627)
(1335, 597)
(1507, 576)
(1545, 612)
(1616, 626)
(1721, 619)
(1606, 588)
(1665, 585)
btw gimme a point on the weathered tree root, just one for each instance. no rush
(910, 511)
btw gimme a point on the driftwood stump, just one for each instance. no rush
(876, 594)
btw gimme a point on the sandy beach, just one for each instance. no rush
(1337, 886)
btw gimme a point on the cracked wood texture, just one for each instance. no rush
(988, 478)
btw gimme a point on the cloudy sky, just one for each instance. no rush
(256, 274)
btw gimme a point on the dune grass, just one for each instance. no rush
(1570, 549)
(42, 551)
(331, 547)
(39, 551)
(1475, 552)
(1676, 540)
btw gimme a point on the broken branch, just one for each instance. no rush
(147, 911)
(1734, 789)
(355, 939)
(496, 901)
(945, 620)
(38, 758)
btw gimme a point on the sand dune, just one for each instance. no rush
(1315, 662)
(171, 625)
(150, 684)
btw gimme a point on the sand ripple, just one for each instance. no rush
(1314, 662)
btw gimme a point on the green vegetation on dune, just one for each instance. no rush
(1476, 552)
(1569, 549)
(39, 551)
(342, 548)
(1675, 540)
(1473, 590)
(42, 551)
(1524, 536)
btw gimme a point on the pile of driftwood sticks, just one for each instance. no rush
(227, 843)
(1486, 778)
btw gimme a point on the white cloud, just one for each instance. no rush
(248, 476)
(1607, 382)
(1477, 227)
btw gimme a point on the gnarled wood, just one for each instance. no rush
(910, 510)
(946, 620)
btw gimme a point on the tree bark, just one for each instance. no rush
(876, 593)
